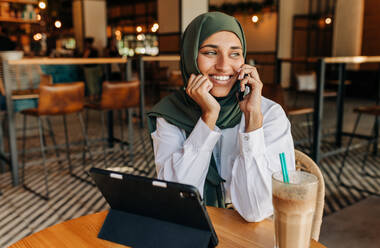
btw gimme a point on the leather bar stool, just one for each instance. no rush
(54, 100)
(122, 95)
(374, 111)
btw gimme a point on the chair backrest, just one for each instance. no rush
(59, 99)
(305, 163)
(274, 92)
(306, 81)
(120, 95)
(46, 79)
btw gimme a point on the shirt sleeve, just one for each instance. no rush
(181, 159)
(258, 158)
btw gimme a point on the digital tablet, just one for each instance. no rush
(147, 212)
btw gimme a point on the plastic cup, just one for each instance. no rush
(294, 205)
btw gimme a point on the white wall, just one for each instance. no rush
(191, 9)
(78, 23)
(95, 22)
(348, 28)
(90, 20)
(286, 12)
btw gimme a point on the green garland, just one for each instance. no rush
(244, 7)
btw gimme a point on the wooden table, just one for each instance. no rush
(231, 229)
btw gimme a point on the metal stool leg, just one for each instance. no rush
(43, 132)
(45, 197)
(121, 135)
(85, 140)
(309, 130)
(104, 140)
(2, 163)
(130, 134)
(43, 157)
(343, 164)
(53, 139)
(67, 144)
(376, 135)
(147, 159)
(348, 148)
(85, 150)
(23, 150)
(85, 134)
(370, 141)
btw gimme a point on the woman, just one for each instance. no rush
(205, 137)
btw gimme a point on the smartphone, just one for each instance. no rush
(242, 94)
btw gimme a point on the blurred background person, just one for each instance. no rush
(93, 73)
(112, 51)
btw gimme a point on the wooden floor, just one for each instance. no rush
(22, 213)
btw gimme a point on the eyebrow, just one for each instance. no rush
(215, 46)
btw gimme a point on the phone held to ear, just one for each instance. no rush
(242, 94)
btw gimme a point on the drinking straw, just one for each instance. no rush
(283, 168)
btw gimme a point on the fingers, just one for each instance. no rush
(251, 81)
(197, 83)
(255, 88)
(192, 81)
(243, 83)
(250, 70)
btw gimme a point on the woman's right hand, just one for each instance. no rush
(198, 88)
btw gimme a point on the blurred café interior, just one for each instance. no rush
(319, 59)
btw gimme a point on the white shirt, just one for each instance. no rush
(245, 160)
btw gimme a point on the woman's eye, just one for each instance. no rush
(236, 54)
(209, 53)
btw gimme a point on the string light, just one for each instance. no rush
(38, 17)
(140, 37)
(155, 27)
(328, 20)
(37, 36)
(42, 5)
(255, 19)
(138, 29)
(57, 24)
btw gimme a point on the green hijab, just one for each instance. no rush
(180, 110)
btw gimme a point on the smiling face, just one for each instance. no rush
(219, 58)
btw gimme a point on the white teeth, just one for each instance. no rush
(221, 78)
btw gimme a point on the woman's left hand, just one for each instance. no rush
(251, 104)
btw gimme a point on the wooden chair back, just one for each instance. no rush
(120, 95)
(60, 99)
(305, 163)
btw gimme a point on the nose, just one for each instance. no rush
(222, 63)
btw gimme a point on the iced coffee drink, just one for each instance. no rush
(294, 205)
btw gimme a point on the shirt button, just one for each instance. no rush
(246, 138)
